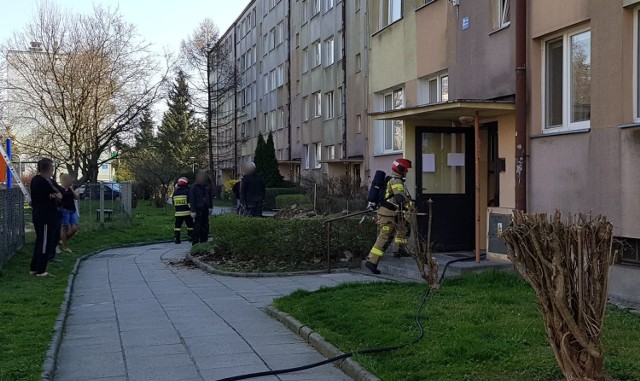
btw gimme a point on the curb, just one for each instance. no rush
(50, 360)
(349, 366)
(210, 269)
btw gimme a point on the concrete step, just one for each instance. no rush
(407, 268)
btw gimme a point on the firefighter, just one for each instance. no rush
(390, 219)
(183, 213)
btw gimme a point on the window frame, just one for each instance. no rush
(318, 155)
(305, 60)
(317, 53)
(330, 103)
(317, 104)
(330, 46)
(391, 123)
(305, 153)
(382, 23)
(500, 13)
(567, 125)
(426, 92)
(316, 8)
(305, 109)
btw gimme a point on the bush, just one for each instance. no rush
(286, 201)
(293, 243)
(272, 193)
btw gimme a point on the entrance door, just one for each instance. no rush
(445, 173)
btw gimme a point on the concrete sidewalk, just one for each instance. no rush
(134, 317)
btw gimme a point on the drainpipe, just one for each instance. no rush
(476, 133)
(290, 59)
(343, 94)
(521, 105)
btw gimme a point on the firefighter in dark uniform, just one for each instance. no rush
(183, 213)
(390, 217)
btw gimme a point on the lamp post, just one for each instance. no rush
(193, 164)
(209, 128)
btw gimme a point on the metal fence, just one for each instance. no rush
(11, 223)
(104, 204)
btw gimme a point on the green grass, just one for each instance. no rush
(480, 327)
(29, 306)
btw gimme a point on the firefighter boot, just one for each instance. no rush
(177, 240)
(372, 263)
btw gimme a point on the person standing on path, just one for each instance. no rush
(44, 198)
(252, 191)
(390, 221)
(69, 213)
(201, 198)
(181, 203)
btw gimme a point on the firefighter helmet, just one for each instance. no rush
(183, 181)
(401, 166)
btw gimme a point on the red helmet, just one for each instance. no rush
(401, 166)
(183, 181)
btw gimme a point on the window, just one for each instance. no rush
(330, 47)
(359, 124)
(280, 75)
(630, 250)
(266, 121)
(280, 34)
(567, 82)
(267, 86)
(316, 7)
(392, 136)
(330, 105)
(265, 43)
(502, 13)
(318, 147)
(305, 60)
(297, 40)
(358, 62)
(331, 152)
(274, 80)
(340, 101)
(303, 12)
(281, 118)
(390, 12)
(305, 156)
(317, 105)
(328, 4)
(317, 54)
(305, 109)
(435, 90)
(272, 39)
(357, 5)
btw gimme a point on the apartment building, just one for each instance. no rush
(436, 68)
(328, 104)
(584, 118)
(254, 52)
(301, 68)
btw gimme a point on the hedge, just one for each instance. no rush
(267, 242)
(286, 201)
(272, 193)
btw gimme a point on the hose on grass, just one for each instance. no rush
(417, 339)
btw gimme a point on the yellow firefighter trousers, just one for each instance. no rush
(389, 227)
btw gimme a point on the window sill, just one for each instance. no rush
(500, 29)
(559, 133)
(387, 153)
(630, 125)
(423, 6)
(387, 26)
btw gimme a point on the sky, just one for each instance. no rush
(164, 23)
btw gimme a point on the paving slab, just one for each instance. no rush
(136, 317)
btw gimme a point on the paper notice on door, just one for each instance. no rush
(428, 162)
(455, 160)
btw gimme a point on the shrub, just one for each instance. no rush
(286, 201)
(291, 243)
(272, 193)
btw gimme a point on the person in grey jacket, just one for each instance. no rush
(201, 198)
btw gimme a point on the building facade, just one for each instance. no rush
(435, 69)
(584, 119)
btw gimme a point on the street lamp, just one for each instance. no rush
(208, 49)
(193, 164)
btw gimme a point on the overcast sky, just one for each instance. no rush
(162, 22)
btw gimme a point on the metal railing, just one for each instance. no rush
(11, 223)
(104, 204)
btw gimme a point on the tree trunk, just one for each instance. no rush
(567, 264)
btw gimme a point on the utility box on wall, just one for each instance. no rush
(498, 219)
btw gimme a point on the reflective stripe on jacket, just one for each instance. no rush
(181, 202)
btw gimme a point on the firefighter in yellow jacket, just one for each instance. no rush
(183, 213)
(390, 220)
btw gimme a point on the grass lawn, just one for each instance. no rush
(29, 306)
(480, 327)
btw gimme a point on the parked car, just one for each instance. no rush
(92, 192)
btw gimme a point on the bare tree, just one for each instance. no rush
(213, 75)
(81, 84)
